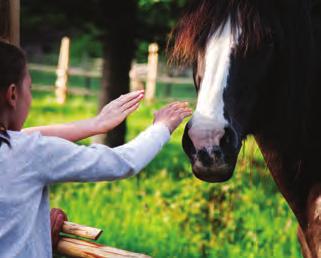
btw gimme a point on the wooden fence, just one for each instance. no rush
(142, 76)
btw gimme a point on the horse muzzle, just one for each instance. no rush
(213, 162)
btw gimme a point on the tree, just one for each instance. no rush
(122, 26)
(9, 21)
(125, 25)
(4, 19)
(119, 21)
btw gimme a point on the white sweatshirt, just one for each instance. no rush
(29, 163)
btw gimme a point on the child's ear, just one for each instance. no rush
(11, 95)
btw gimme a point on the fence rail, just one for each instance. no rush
(78, 71)
(72, 90)
(142, 76)
(168, 81)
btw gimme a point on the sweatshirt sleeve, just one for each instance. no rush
(62, 161)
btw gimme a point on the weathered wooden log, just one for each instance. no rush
(81, 231)
(80, 248)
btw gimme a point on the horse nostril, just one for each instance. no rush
(230, 138)
(205, 158)
(217, 152)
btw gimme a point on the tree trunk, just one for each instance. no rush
(4, 19)
(10, 21)
(119, 23)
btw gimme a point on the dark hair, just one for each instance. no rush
(12, 65)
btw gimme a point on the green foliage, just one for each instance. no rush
(156, 19)
(165, 211)
(82, 21)
(84, 46)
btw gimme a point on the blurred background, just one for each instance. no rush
(82, 54)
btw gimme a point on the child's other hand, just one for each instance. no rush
(117, 110)
(172, 115)
(57, 219)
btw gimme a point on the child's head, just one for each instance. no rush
(15, 87)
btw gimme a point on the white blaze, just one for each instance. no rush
(208, 122)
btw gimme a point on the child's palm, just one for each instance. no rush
(117, 110)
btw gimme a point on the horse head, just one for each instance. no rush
(238, 54)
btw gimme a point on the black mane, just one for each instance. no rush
(205, 17)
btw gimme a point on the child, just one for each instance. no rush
(33, 159)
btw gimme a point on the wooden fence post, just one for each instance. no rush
(62, 71)
(152, 72)
(136, 83)
(10, 21)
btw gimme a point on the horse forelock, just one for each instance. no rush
(204, 18)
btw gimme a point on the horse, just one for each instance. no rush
(257, 71)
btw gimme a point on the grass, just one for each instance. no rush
(165, 211)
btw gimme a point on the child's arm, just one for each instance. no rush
(110, 116)
(58, 160)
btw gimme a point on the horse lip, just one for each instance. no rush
(188, 145)
(213, 174)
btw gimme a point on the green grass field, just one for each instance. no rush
(165, 211)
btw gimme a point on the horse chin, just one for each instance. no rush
(213, 174)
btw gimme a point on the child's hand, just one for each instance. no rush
(117, 110)
(172, 115)
(57, 219)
